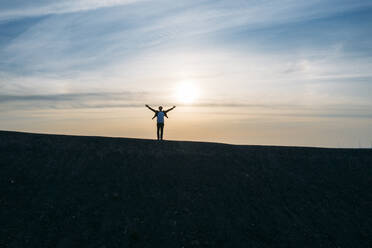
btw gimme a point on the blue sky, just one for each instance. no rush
(282, 60)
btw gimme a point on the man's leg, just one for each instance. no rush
(161, 131)
(158, 130)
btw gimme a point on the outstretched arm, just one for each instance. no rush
(151, 108)
(166, 111)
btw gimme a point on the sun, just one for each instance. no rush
(186, 92)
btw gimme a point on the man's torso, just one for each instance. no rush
(160, 116)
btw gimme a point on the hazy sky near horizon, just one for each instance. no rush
(290, 72)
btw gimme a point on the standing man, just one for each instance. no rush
(159, 114)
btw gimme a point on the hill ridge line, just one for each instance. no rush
(182, 141)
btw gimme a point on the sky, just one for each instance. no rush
(260, 72)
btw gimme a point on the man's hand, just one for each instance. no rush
(153, 110)
(166, 111)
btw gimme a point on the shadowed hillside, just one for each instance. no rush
(72, 191)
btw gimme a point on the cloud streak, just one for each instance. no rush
(128, 99)
(72, 97)
(42, 8)
(95, 39)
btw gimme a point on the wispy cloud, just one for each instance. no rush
(72, 97)
(96, 39)
(21, 9)
(73, 101)
(129, 99)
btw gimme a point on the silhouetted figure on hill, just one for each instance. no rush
(159, 114)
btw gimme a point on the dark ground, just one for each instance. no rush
(72, 191)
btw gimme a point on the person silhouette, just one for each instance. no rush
(159, 114)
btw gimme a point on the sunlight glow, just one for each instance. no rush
(186, 92)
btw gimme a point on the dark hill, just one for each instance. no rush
(72, 191)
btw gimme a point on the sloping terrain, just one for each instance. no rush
(73, 191)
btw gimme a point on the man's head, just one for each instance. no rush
(160, 108)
